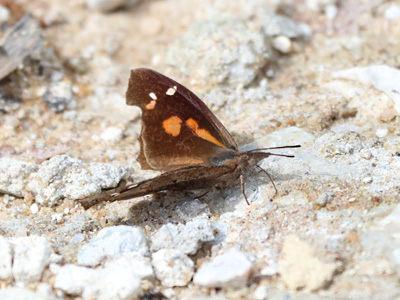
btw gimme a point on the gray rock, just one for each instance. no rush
(381, 246)
(185, 238)
(112, 242)
(245, 51)
(13, 175)
(172, 267)
(65, 176)
(31, 257)
(15, 293)
(382, 77)
(5, 259)
(59, 96)
(231, 269)
(276, 25)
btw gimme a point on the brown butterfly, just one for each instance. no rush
(183, 138)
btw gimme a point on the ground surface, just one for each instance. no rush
(323, 74)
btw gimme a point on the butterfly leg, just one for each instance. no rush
(270, 178)
(243, 190)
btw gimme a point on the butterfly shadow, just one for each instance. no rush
(184, 206)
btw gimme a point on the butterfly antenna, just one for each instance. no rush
(270, 178)
(275, 148)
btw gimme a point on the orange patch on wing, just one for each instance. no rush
(151, 105)
(203, 133)
(172, 125)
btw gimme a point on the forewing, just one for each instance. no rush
(178, 129)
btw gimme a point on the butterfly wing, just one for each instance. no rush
(178, 129)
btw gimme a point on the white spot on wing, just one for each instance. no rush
(171, 91)
(153, 96)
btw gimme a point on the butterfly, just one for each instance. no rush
(183, 138)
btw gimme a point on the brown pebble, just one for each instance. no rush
(386, 116)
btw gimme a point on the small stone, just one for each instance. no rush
(5, 260)
(282, 44)
(78, 64)
(112, 242)
(366, 154)
(104, 5)
(352, 199)
(381, 132)
(392, 12)
(31, 256)
(231, 269)
(4, 14)
(185, 238)
(367, 179)
(331, 11)
(59, 96)
(323, 199)
(300, 268)
(13, 175)
(112, 134)
(387, 116)
(172, 267)
(261, 293)
(34, 208)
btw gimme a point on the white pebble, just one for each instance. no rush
(392, 12)
(172, 267)
(5, 259)
(367, 179)
(73, 279)
(31, 257)
(331, 11)
(231, 269)
(111, 134)
(366, 154)
(112, 242)
(4, 14)
(34, 208)
(282, 44)
(381, 132)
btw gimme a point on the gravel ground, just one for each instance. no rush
(320, 73)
